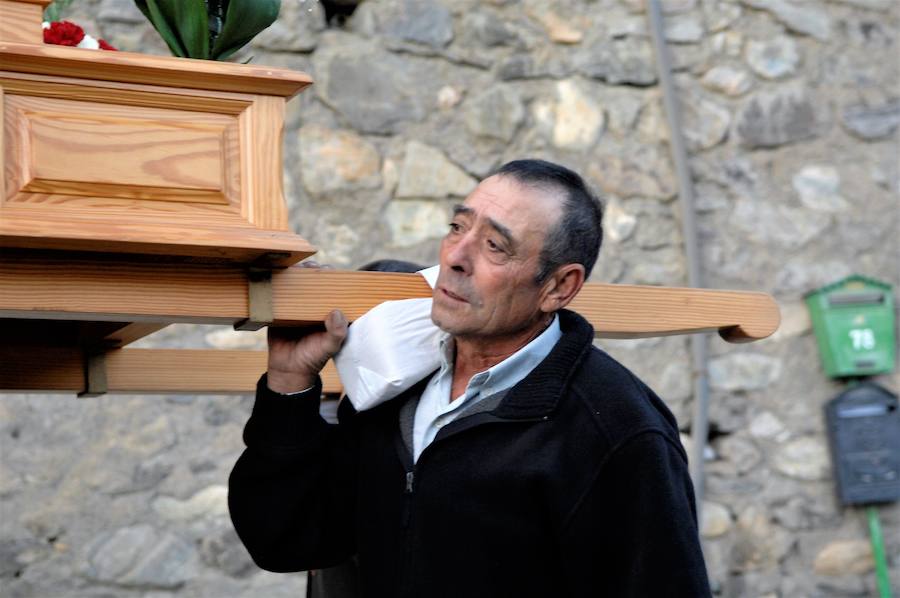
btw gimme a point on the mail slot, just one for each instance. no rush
(864, 435)
(854, 324)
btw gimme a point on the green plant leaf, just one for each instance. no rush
(244, 19)
(53, 12)
(192, 25)
(163, 26)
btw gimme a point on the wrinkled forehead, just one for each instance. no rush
(505, 203)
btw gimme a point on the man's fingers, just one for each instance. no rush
(335, 331)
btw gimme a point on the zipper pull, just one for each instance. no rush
(410, 476)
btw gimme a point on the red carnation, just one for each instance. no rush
(104, 45)
(63, 33)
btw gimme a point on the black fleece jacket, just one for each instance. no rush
(574, 485)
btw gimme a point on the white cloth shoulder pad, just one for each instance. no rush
(388, 349)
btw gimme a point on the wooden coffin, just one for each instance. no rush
(131, 153)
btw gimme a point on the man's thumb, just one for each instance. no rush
(336, 331)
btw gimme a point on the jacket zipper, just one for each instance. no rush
(407, 496)
(411, 467)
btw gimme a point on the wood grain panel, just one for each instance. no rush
(122, 292)
(46, 369)
(20, 22)
(131, 67)
(160, 293)
(124, 94)
(143, 371)
(115, 212)
(194, 371)
(69, 147)
(261, 131)
(8, 182)
(179, 209)
(223, 237)
(184, 370)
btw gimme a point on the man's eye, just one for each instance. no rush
(454, 227)
(493, 246)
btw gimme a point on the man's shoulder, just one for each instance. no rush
(621, 403)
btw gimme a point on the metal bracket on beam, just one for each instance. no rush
(259, 300)
(94, 375)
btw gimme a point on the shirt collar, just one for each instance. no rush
(509, 371)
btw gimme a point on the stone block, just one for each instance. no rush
(806, 18)
(760, 543)
(803, 459)
(841, 557)
(619, 61)
(374, 90)
(559, 29)
(296, 29)
(721, 14)
(415, 221)
(495, 113)
(573, 120)
(634, 170)
(879, 5)
(705, 123)
(819, 187)
(489, 29)
(424, 22)
(773, 118)
(120, 11)
(727, 80)
(767, 425)
(775, 58)
(618, 223)
(743, 371)
(337, 160)
(210, 502)
(683, 29)
(426, 172)
(223, 550)
(715, 520)
(779, 225)
(140, 556)
(872, 122)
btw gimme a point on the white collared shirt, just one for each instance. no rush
(436, 409)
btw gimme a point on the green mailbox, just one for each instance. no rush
(854, 324)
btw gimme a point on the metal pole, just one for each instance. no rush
(881, 570)
(699, 353)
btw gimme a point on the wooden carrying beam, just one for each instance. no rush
(138, 371)
(41, 288)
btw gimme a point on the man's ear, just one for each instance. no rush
(561, 287)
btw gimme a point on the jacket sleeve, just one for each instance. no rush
(633, 533)
(291, 493)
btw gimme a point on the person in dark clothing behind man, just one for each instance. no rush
(529, 464)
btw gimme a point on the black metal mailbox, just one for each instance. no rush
(864, 435)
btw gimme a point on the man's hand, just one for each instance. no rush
(297, 355)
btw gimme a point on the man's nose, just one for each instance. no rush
(459, 253)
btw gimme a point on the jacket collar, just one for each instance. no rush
(540, 391)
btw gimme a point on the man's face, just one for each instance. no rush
(489, 260)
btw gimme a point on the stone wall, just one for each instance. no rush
(791, 112)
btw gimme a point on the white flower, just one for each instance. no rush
(89, 43)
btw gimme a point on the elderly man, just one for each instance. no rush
(529, 464)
